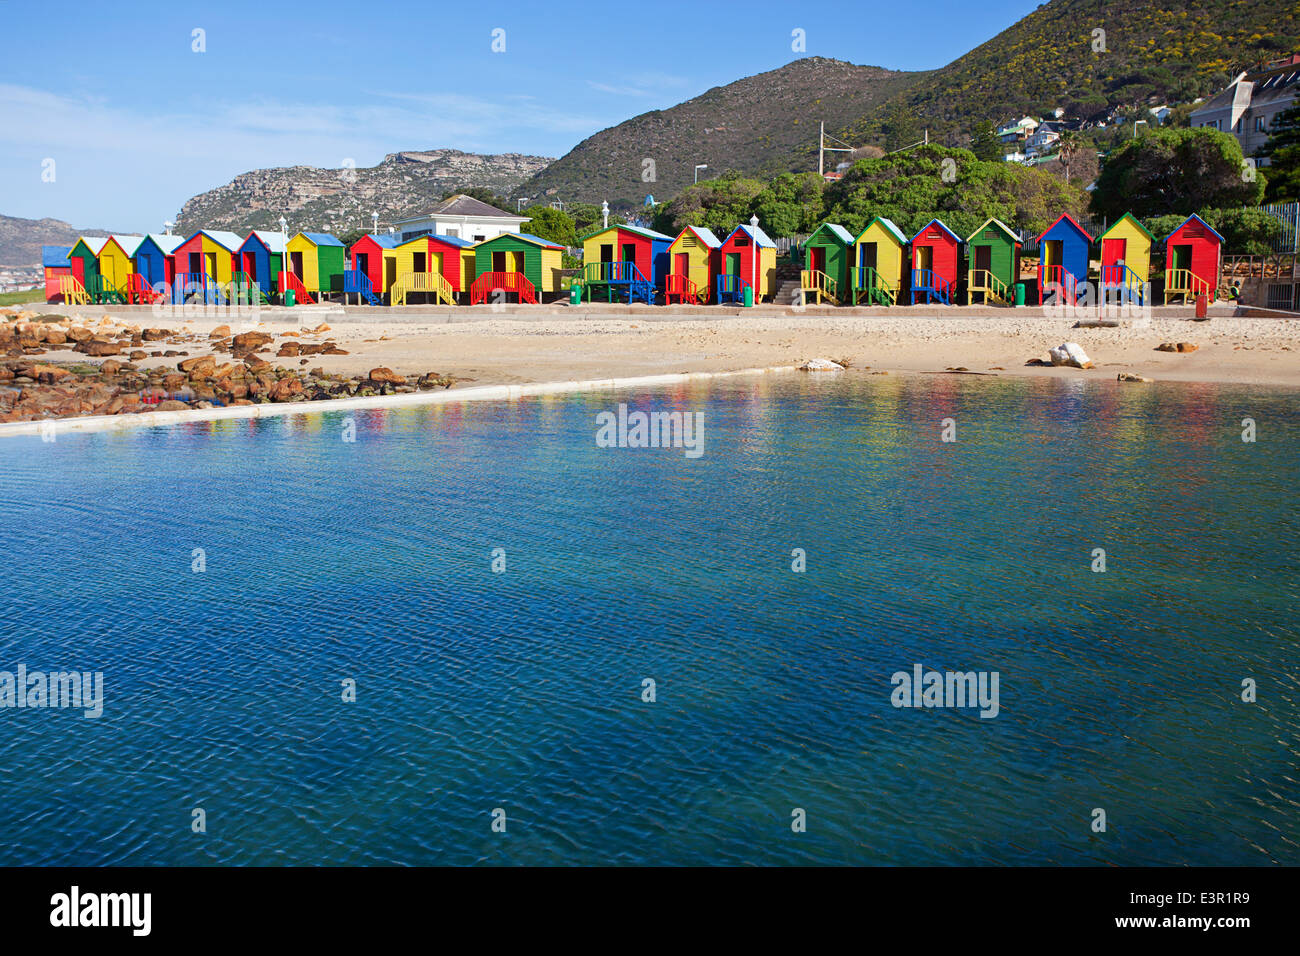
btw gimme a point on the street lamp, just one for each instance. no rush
(375, 218)
(168, 227)
(519, 203)
(604, 212)
(1136, 124)
(697, 170)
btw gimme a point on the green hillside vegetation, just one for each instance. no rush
(910, 188)
(1154, 51)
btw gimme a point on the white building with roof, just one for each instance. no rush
(461, 217)
(1246, 108)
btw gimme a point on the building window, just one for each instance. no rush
(1259, 124)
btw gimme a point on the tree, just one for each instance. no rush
(986, 145)
(1283, 152)
(551, 224)
(717, 204)
(1067, 150)
(917, 185)
(1171, 171)
(348, 238)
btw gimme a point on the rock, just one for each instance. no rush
(1071, 354)
(55, 337)
(821, 365)
(97, 349)
(78, 334)
(156, 335)
(1187, 347)
(174, 381)
(198, 367)
(288, 350)
(249, 341)
(255, 364)
(1130, 377)
(220, 332)
(387, 376)
(334, 350)
(171, 405)
(110, 367)
(48, 374)
(285, 389)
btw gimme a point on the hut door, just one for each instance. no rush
(196, 262)
(818, 256)
(390, 271)
(924, 257)
(419, 262)
(733, 263)
(629, 252)
(606, 252)
(1053, 252)
(867, 255)
(1182, 258)
(362, 261)
(295, 264)
(518, 262)
(983, 258)
(435, 262)
(1113, 251)
(211, 262)
(683, 267)
(250, 266)
(499, 261)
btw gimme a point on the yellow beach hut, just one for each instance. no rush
(1125, 260)
(116, 263)
(879, 257)
(692, 260)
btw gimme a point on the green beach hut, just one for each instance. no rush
(825, 272)
(516, 263)
(992, 264)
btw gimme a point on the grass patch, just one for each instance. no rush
(36, 294)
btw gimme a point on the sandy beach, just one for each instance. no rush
(561, 344)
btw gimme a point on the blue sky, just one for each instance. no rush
(136, 121)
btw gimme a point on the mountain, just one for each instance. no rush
(761, 124)
(1151, 51)
(1087, 58)
(340, 200)
(21, 239)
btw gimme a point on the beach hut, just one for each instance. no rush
(259, 260)
(155, 259)
(54, 260)
(876, 263)
(204, 263)
(746, 259)
(84, 262)
(115, 266)
(1193, 256)
(825, 273)
(624, 260)
(371, 268)
(431, 266)
(515, 263)
(1063, 259)
(318, 261)
(692, 262)
(934, 263)
(992, 263)
(1126, 260)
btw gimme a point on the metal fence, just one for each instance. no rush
(1288, 213)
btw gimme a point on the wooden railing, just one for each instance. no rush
(72, 291)
(728, 286)
(187, 284)
(599, 272)
(1118, 277)
(932, 284)
(681, 286)
(982, 280)
(869, 283)
(818, 283)
(1053, 278)
(1186, 283)
(104, 293)
(430, 282)
(139, 291)
(515, 282)
(289, 280)
(244, 288)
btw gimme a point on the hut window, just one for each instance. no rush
(741, 241)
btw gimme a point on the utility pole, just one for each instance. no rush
(823, 149)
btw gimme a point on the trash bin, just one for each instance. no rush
(290, 297)
(1020, 293)
(575, 294)
(749, 296)
(1202, 305)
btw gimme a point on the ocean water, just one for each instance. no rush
(326, 561)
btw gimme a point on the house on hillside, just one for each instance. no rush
(461, 217)
(1019, 131)
(1247, 106)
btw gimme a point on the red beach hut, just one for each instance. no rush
(1193, 253)
(934, 263)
